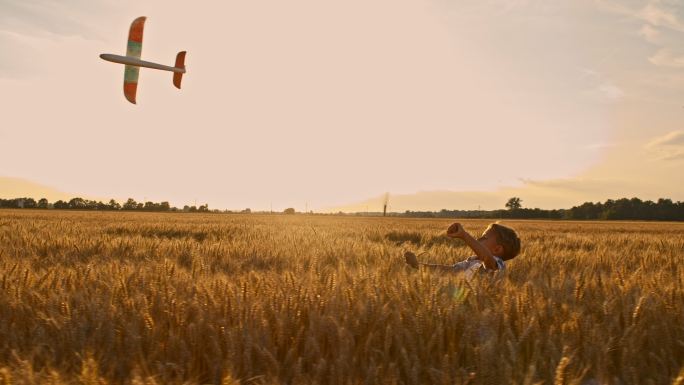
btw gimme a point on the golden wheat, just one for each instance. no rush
(142, 298)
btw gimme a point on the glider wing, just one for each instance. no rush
(133, 49)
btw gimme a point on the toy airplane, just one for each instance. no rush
(133, 62)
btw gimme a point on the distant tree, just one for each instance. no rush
(113, 205)
(164, 206)
(246, 211)
(30, 203)
(193, 209)
(42, 203)
(514, 203)
(203, 208)
(77, 203)
(289, 210)
(665, 209)
(151, 206)
(130, 204)
(60, 204)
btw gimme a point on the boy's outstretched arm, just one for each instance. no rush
(412, 261)
(457, 231)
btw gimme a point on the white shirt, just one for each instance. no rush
(471, 265)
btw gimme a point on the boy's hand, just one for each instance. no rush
(411, 259)
(455, 231)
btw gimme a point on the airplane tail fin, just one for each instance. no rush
(180, 63)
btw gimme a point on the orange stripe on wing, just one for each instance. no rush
(130, 89)
(136, 32)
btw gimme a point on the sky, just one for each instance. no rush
(328, 105)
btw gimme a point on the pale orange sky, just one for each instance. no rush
(329, 104)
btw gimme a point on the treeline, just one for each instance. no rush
(635, 208)
(520, 213)
(620, 209)
(85, 204)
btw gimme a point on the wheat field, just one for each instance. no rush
(144, 298)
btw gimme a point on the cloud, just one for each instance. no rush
(548, 194)
(600, 88)
(674, 138)
(660, 17)
(666, 58)
(600, 146)
(610, 91)
(679, 155)
(669, 147)
(590, 186)
(651, 34)
(660, 25)
(18, 188)
(44, 18)
(27, 27)
(507, 8)
(653, 13)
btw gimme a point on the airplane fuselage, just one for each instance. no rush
(132, 61)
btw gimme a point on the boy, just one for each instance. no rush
(497, 244)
